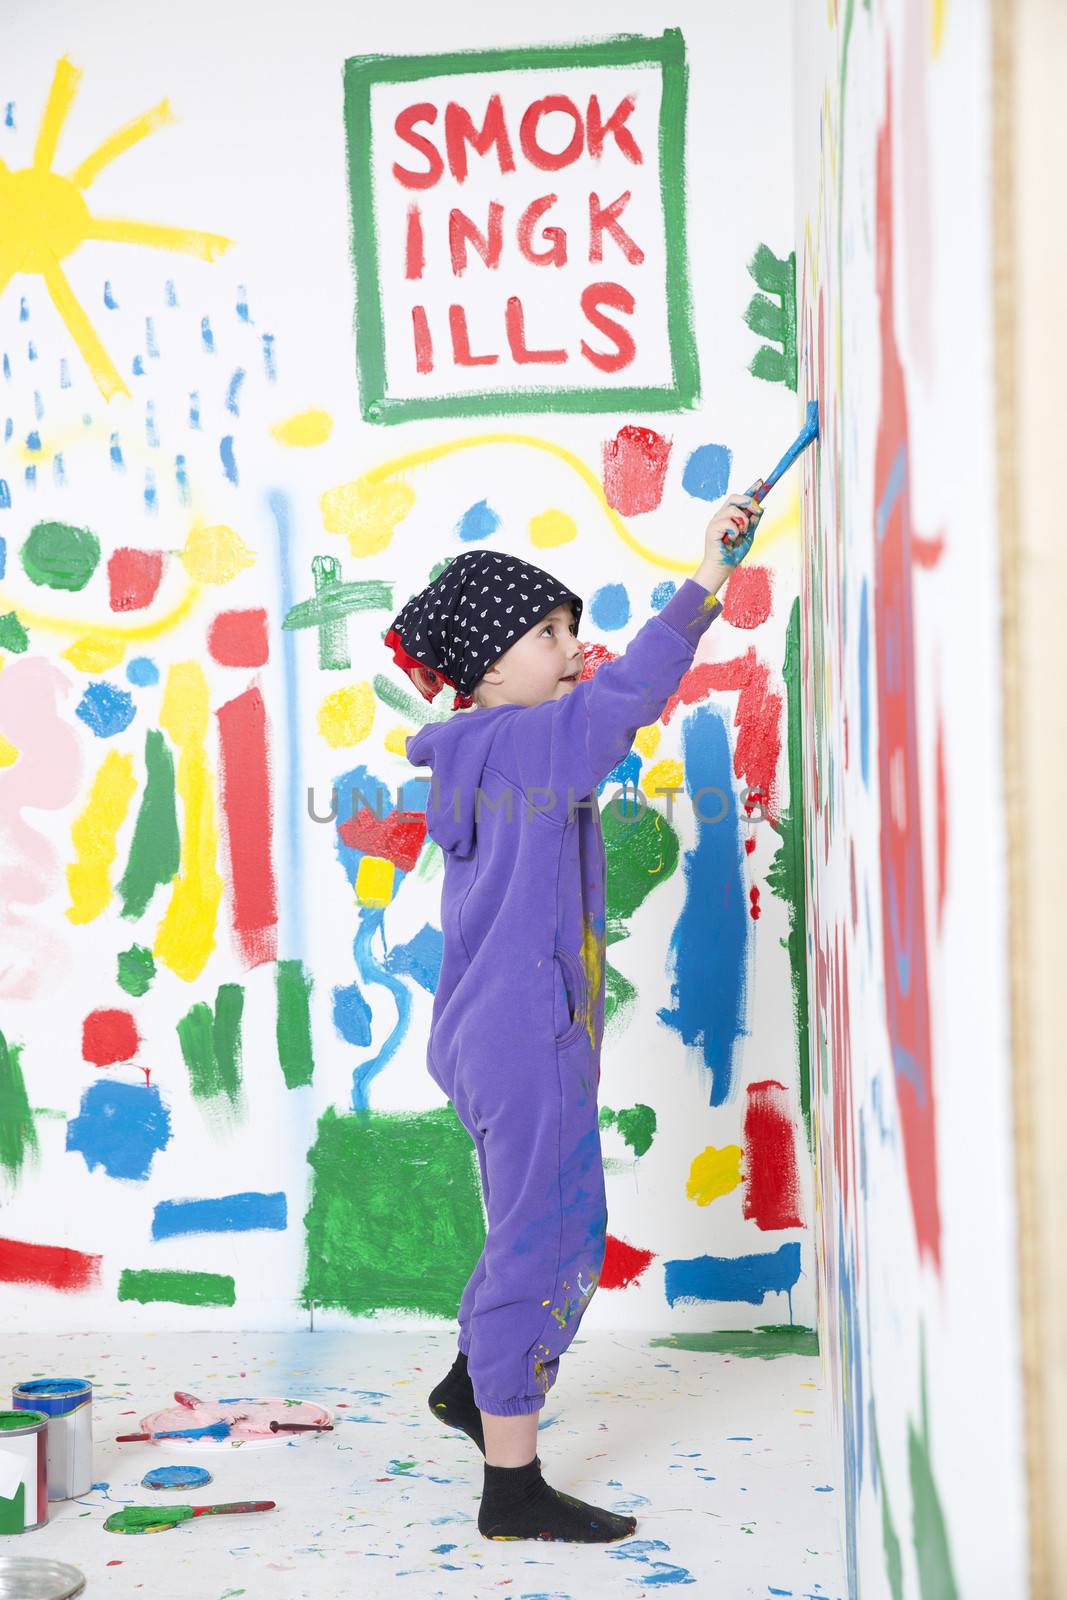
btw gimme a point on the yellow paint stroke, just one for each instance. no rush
(347, 715)
(552, 528)
(664, 775)
(366, 514)
(46, 218)
(714, 1173)
(303, 430)
(593, 962)
(349, 508)
(374, 882)
(104, 630)
(186, 935)
(938, 8)
(647, 740)
(396, 740)
(216, 554)
(95, 653)
(9, 753)
(94, 836)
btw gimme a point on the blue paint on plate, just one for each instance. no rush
(176, 1478)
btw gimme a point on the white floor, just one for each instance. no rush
(724, 1461)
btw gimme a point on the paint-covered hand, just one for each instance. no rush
(730, 532)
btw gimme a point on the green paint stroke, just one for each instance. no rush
(766, 1342)
(333, 603)
(292, 1029)
(177, 1288)
(620, 996)
(637, 1126)
(773, 316)
(786, 874)
(155, 850)
(362, 73)
(18, 1136)
(933, 1557)
(59, 555)
(13, 635)
(211, 1044)
(894, 1569)
(641, 853)
(396, 1220)
(136, 970)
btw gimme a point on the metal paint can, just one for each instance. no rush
(68, 1405)
(23, 1471)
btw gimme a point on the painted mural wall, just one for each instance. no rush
(288, 319)
(906, 865)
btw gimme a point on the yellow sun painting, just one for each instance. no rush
(44, 218)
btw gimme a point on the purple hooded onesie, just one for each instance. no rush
(518, 1011)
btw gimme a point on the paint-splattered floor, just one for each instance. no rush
(726, 1463)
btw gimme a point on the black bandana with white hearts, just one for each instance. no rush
(453, 630)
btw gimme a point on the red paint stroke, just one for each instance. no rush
(635, 469)
(747, 601)
(50, 1265)
(109, 1036)
(397, 838)
(772, 1186)
(927, 552)
(623, 1264)
(754, 905)
(239, 638)
(750, 845)
(133, 578)
(246, 805)
(904, 957)
(595, 656)
(758, 718)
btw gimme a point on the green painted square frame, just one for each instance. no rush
(362, 72)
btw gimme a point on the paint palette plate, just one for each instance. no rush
(33, 1578)
(250, 1421)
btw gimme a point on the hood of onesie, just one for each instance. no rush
(456, 751)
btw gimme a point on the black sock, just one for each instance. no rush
(453, 1402)
(517, 1503)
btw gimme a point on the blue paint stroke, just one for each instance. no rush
(181, 478)
(64, 373)
(865, 694)
(109, 299)
(170, 292)
(59, 471)
(33, 440)
(151, 502)
(3, 542)
(291, 865)
(352, 1015)
(269, 365)
(229, 1213)
(710, 944)
(7, 367)
(116, 454)
(610, 607)
(194, 410)
(30, 476)
(38, 405)
(226, 456)
(151, 432)
(707, 472)
(150, 343)
(207, 338)
(749, 1278)
(9, 114)
(106, 710)
(138, 367)
(141, 670)
(120, 1127)
(371, 971)
(477, 522)
(233, 393)
(662, 593)
(242, 303)
(420, 958)
(9, 428)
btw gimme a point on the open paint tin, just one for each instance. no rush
(31, 1578)
(68, 1405)
(23, 1471)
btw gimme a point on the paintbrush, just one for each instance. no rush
(217, 1430)
(153, 1516)
(807, 435)
(301, 1427)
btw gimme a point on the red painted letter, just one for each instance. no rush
(459, 133)
(556, 254)
(623, 137)
(462, 230)
(603, 218)
(547, 160)
(414, 255)
(515, 324)
(423, 342)
(620, 299)
(461, 345)
(405, 127)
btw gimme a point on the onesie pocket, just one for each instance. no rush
(576, 987)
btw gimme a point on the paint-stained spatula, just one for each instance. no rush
(157, 1519)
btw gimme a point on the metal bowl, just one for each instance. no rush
(33, 1578)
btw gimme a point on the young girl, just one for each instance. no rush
(519, 1007)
